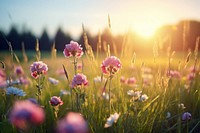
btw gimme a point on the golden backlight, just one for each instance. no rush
(146, 30)
(146, 22)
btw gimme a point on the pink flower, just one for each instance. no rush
(3, 84)
(111, 65)
(174, 74)
(26, 113)
(193, 69)
(55, 101)
(38, 68)
(131, 80)
(60, 71)
(186, 116)
(122, 79)
(79, 80)
(79, 66)
(72, 123)
(73, 49)
(190, 76)
(2, 75)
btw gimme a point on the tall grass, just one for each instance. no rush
(153, 77)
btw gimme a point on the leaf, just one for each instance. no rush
(145, 107)
(66, 73)
(3, 64)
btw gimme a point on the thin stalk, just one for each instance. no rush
(75, 66)
(109, 95)
(39, 89)
(77, 102)
(75, 72)
(72, 105)
(56, 110)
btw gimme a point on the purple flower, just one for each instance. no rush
(18, 70)
(186, 116)
(73, 49)
(33, 100)
(72, 123)
(38, 68)
(26, 113)
(79, 80)
(24, 80)
(55, 101)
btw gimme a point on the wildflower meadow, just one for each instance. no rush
(80, 91)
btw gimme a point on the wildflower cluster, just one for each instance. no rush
(38, 68)
(137, 95)
(73, 49)
(111, 65)
(25, 113)
(129, 81)
(79, 80)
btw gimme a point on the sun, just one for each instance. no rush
(145, 29)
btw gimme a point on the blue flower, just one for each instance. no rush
(15, 91)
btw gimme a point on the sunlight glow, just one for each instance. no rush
(145, 30)
(147, 24)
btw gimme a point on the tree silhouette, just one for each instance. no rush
(44, 41)
(181, 36)
(61, 39)
(14, 38)
(29, 40)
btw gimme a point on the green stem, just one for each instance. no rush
(72, 104)
(77, 102)
(109, 94)
(39, 89)
(56, 109)
(75, 66)
(75, 72)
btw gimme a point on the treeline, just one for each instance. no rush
(28, 39)
(179, 37)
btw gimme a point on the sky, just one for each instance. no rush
(141, 16)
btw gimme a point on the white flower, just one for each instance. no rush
(53, 81)
(14, 91)
(113, 118)
(168, 115)
(99, 79)
(135, 94)
(143, 98)
(130, 92)
(64, 92)
(105, 96)
(181, 106)
(146, 70)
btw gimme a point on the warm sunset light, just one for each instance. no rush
(145, 29)
(99, 66)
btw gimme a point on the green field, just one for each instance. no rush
(161, 112)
